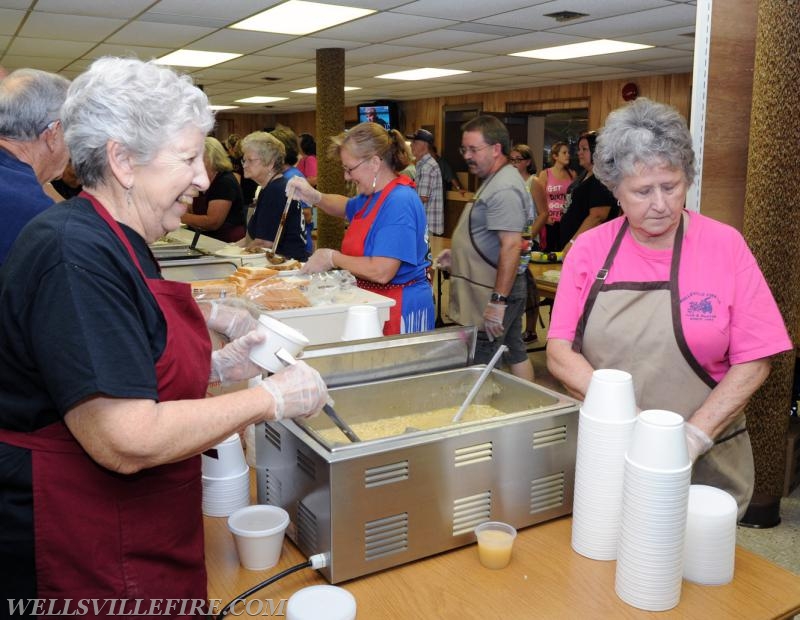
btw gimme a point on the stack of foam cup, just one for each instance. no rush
(606, 424)
(710, 536)
(655, 499)
(226, 478)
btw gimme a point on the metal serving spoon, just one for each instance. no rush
(272, 257)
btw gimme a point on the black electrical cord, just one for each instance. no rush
(225, 610)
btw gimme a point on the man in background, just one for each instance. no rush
(428, 178)
(372, 117)
(487, 277)
(32, 147)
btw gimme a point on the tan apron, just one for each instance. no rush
(636, 327)
(473, 275)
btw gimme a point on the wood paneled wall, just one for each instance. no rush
(728, 107)
(602, 97)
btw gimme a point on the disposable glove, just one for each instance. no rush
(697, 441)
(300, 189)
(321, 260)
(298, 391)
(445, 260)
(493, 319)
(234, 317)
(232, 362)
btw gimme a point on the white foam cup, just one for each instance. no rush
(258, 532)
(225, 460)
(495, 542)
(321, 603)
(610, 395)
(710, 536)
(659, 441)
(362, 322)
(278, 336)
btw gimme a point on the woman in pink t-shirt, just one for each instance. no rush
(675, 299)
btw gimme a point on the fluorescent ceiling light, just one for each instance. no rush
(195, 58)
(313, 90)
(300, 17)
(420, 74)
(261, 99)
(219, 108)
(581, 50)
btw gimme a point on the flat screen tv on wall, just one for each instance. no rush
(385, 113)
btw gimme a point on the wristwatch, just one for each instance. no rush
(497, 298)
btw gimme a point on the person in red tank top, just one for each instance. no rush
(104, 365)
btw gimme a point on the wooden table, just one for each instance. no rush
(545, 579)
(546, 288)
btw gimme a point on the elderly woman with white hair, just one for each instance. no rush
(670, 296)
(104, 365)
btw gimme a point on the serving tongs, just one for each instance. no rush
(287, 358)
(272, 257)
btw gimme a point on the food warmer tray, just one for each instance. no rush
(383, 502)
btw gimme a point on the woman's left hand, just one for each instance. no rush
(233, 317)
(232, 362)
(321, 260)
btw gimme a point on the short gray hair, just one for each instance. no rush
(642, 132)
(140, 105)
(267, 147)
(29, 100)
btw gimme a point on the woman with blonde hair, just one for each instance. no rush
(219, 212)
(556, 180)
(386, 243)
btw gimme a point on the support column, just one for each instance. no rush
(772, 228)
(329, 122)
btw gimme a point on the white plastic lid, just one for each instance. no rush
(321, 603)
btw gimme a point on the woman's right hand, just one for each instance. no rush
(298, 391)
(300, 189)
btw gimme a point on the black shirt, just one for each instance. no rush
(76, 320)
(581, 198)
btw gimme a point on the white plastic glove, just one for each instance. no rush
(493, 319)
(697, 441)
(298, 391)
(232, 362)
(321, 260)
(234, 317)
(300, 189)
(445, 260)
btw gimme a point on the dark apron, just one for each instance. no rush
(99, 534)
(353, 245)
(666, 375)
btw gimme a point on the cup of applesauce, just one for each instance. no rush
(495, 541)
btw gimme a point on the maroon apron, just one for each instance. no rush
(353, 245)
(103, 535)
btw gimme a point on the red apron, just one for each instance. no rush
(102, 535)
(353, 245)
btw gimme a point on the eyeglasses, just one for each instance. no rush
(252, 160)
(472, 149)
(517, 159)
(350, 170)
